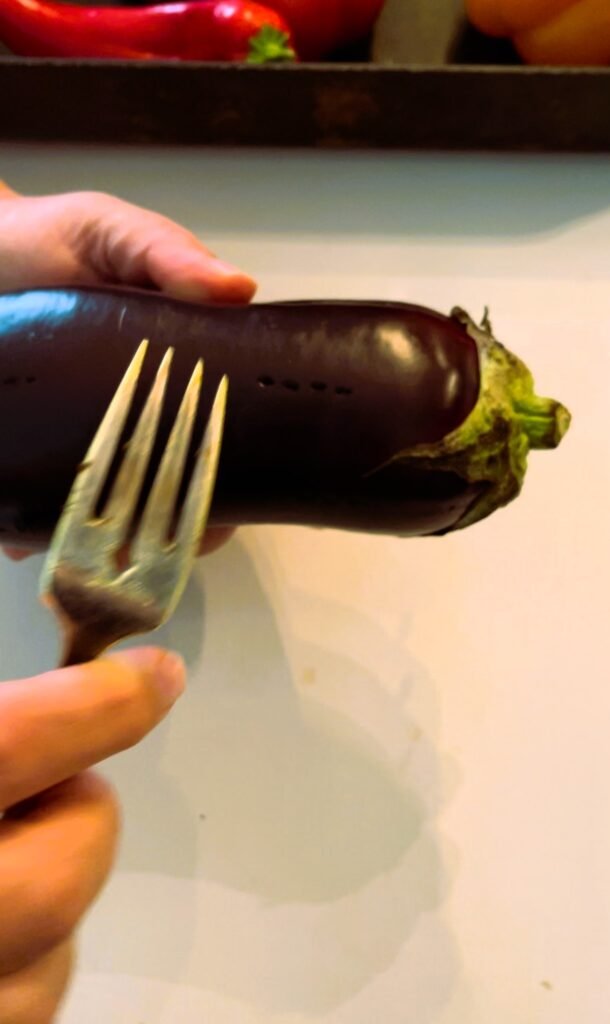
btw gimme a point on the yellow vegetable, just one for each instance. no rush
(552, 32)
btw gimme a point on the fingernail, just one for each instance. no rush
(217, 286)
(170, 676)
(165, 669)
(227, 268)
(16, 554)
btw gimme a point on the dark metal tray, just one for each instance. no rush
(484, 100)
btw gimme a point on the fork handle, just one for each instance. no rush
(81, 648)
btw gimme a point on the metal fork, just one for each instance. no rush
(97, 603)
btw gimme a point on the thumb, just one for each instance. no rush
(59, 724)
(137, 246)
(183, 268)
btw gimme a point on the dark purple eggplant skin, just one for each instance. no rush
(321, 395)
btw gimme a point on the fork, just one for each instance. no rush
(96, 602)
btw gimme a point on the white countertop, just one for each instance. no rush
(386, 794)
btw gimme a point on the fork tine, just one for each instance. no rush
(197, 502)
(154, 527)
(199, 496)
(94, 469)
(121, 504)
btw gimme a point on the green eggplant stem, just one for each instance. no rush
(544, 420)
(491, 446)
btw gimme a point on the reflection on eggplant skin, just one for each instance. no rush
(322, 394)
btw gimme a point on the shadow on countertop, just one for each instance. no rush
(278, 823)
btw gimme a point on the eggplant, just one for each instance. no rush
(370, 416)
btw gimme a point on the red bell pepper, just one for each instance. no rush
(321, 26)
(215, 30)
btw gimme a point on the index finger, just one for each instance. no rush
(58, 724)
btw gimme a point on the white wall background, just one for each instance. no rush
(386, 795)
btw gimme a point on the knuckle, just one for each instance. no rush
(55, 913)
(7, 753)
(33, 996)
(41, 925)
(43, 1011)
(97, 837)
(96, 198)
(96, 787)
(12, 741)
(45, 893)
(29, 1007)
(56, 909)
(51, 904)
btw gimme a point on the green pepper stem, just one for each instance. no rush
(269, 45)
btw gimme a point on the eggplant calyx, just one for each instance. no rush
(491, 446)
(507, 386)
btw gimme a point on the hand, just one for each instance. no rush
(59, 830)
(92, 238)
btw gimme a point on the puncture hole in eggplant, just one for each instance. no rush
(289, 384)
(11, 381)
